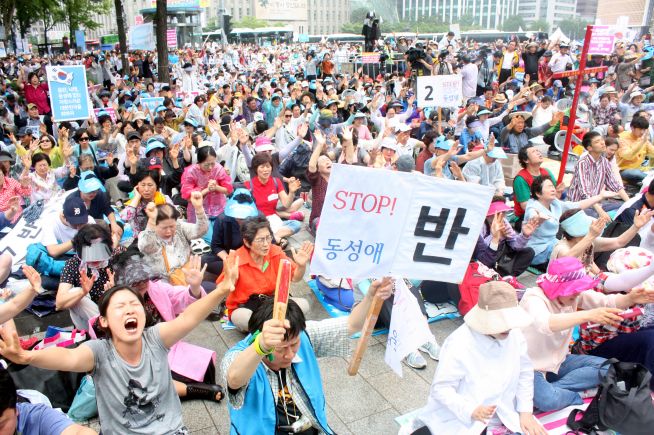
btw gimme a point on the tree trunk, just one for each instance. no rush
(122, 36)
(161, 22)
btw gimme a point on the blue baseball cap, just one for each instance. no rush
(160, 109)
(154, 144)
(443, 144)
(241, 205)
(497, 153)
(89, 183)
(192, 122)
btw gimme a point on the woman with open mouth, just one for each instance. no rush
(130, 368)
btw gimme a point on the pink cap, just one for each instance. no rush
(262, 144)
(497, 207)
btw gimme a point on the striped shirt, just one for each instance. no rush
(591, 177)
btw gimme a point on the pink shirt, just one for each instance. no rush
(548, 349)
(10, 189)
(195, 179)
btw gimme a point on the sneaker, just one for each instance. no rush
(297, 216)
(432, 349)
(415, 360)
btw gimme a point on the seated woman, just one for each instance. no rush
(97, 203)
(268, 191)
(227, 229)
(44, 180)
(131, 367)
(166, 242)
(499, 246)
(46, 145)
(466, 397)
(11, 188)
(259, 263)
(163, 302)
(564, 299)
(545, 205)
(210, 179)
(85, 274)
(581, 237)
(84, 164)
(145, 191)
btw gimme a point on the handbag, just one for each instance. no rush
(176, 277)
(84, 406)
(623, 402)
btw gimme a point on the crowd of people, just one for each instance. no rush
(168, 214)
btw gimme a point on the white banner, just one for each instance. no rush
(409, 328)
(24, 234)
(377, 222)
(440, 91)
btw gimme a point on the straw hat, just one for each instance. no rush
(497, 310)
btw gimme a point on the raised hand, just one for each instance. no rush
(10, 345)
(111, 282)
(194, 271)
(197, 200)
(151, 211)
(382, 288)
(33, 277)
(230, 270)
(86, 281)
(642, 218)
(302, 255)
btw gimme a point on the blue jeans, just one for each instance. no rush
(633, 176)
(554, 391)
(544, 256)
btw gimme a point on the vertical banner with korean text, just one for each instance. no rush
(69, 95)
(376, 223)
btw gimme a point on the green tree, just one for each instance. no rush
(358, 15)
(49, 12)
(251, 23)
(574, 28)
(539, 26)
(81, 13)
(513, 23)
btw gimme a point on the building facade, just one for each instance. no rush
(551, 11)
(631, 13)
(489, 14)
(587, 10)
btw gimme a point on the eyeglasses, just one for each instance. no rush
(287, 116)
(263, 240)
(83, 139)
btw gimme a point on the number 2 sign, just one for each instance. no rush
(440, 91)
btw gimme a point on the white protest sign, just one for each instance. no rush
(440, 91)
(409, 328)
(24, 234)
(376, 223)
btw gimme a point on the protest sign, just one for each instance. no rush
(152, 103)
(24, 234)
(601, 40)
(367, 58)
(409, 329)
(440, 91)
(109, 111)
(397, 224)
(69, 96)
(171, 37)
(141, 37)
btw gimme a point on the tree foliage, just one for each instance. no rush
(539, 26)
(254, 23)
(574, 28)
(513, 23)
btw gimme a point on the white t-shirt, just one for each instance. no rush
(58, 232)
(507, 60)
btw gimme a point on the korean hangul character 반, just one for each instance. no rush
(332, 246)
(375, 250)
(356, 250)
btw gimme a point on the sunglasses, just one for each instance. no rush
(83, 139)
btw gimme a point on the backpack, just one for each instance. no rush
(476, 275)
(37, 256)
(623, 402)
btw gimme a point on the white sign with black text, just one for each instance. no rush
(440, 91)
(377, 222)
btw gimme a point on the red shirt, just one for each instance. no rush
(251, 279)
(39, 96)
(265, 195)
(422, 158)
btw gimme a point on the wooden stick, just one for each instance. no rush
(366, 332)
(282, 289)
(440, 115)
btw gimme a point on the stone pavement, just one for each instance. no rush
(363, 404)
